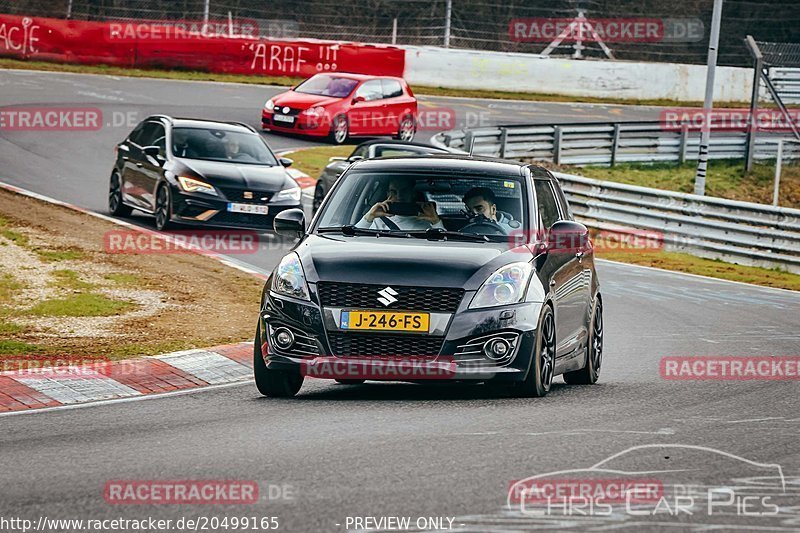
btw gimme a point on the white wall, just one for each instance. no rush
(473, 69)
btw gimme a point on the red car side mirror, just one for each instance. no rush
(358, 99)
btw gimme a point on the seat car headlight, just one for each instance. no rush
(292, 194)
(270, 105)
(505, 286)
(195, 185)
(289, 279)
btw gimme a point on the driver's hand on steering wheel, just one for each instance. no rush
(429, 213)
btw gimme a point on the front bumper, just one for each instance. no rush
(205, 210)
(456, 338)
(303, 124)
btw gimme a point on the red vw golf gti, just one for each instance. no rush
(340, 105)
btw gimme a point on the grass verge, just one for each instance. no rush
(290, 81)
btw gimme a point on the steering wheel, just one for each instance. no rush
(480, 224)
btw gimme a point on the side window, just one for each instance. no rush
(371, 90)
(562, 201)
(153, 135)
(136, 133)
(391, 88)
(546, 203)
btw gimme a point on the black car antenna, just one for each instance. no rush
(471, 144)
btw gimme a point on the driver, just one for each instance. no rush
(480, 201)
(232, 148)
(401, 189)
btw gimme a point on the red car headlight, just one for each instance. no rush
(314, 112)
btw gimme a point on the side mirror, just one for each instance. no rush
(290, 223)
(356, 158)
(359, 99)
(285, 161)
(336, 158)
(567, 237)
(152, 151)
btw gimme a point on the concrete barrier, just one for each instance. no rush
(474, 69)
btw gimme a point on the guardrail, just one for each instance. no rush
(738, 232)
(607, 143)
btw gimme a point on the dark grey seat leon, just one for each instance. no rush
(439, 267)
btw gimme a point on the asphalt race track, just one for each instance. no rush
(400, 449)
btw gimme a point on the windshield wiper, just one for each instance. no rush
(439, 234)
(351, 230)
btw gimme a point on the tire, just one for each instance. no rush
(340, 130)
(272, 383)
(319, 195)
(407, 129)
(115, 205)
(594, 351)
(350, 381)
(163, 208)
(540, 373)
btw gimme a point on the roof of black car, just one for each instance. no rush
(401, 143)
(203, 123)
(450, 162)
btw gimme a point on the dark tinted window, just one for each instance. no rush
(151, 134)
(136, 133)
(391, 88)
(546, 203)
(221, 145)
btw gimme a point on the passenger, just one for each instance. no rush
(401, 190)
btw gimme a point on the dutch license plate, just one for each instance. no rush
(385, 320)
(248, 208)
(283, 118)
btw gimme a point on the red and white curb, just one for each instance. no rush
(22, 390)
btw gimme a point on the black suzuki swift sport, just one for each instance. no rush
(433, 267)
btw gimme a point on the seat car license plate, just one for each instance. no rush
(385, 320)
(283, 118)
(248, 208)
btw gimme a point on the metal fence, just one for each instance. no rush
(738, 232)
(607, 143)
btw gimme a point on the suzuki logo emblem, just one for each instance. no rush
(387, 296)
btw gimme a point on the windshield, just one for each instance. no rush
(325, 85)
(403, 203)
(221, 145)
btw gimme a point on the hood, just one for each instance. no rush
(302, 100)
(401, 261)
(259, 177)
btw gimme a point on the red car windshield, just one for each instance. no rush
(325, 85)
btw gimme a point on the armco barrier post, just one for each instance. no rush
(615, 145)
(503, 141)
(683, 143)
(557, 145)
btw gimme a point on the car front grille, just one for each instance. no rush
(242, 219)
(238, 195)
(349, 344)
(431, 299)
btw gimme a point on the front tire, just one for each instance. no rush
(594, 352)
(340, 130)
(273, 383)
(163, 208)
(115, 205)
(540, 374)
(319, 195)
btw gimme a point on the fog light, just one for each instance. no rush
(284, 339)
(496, 348)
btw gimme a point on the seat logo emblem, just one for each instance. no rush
(248, 195)
(387, 297)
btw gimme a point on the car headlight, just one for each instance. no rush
(505, 286)
(315, 112)
(270, 105)
(289, 278)
(195, 185)
(292, 194)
